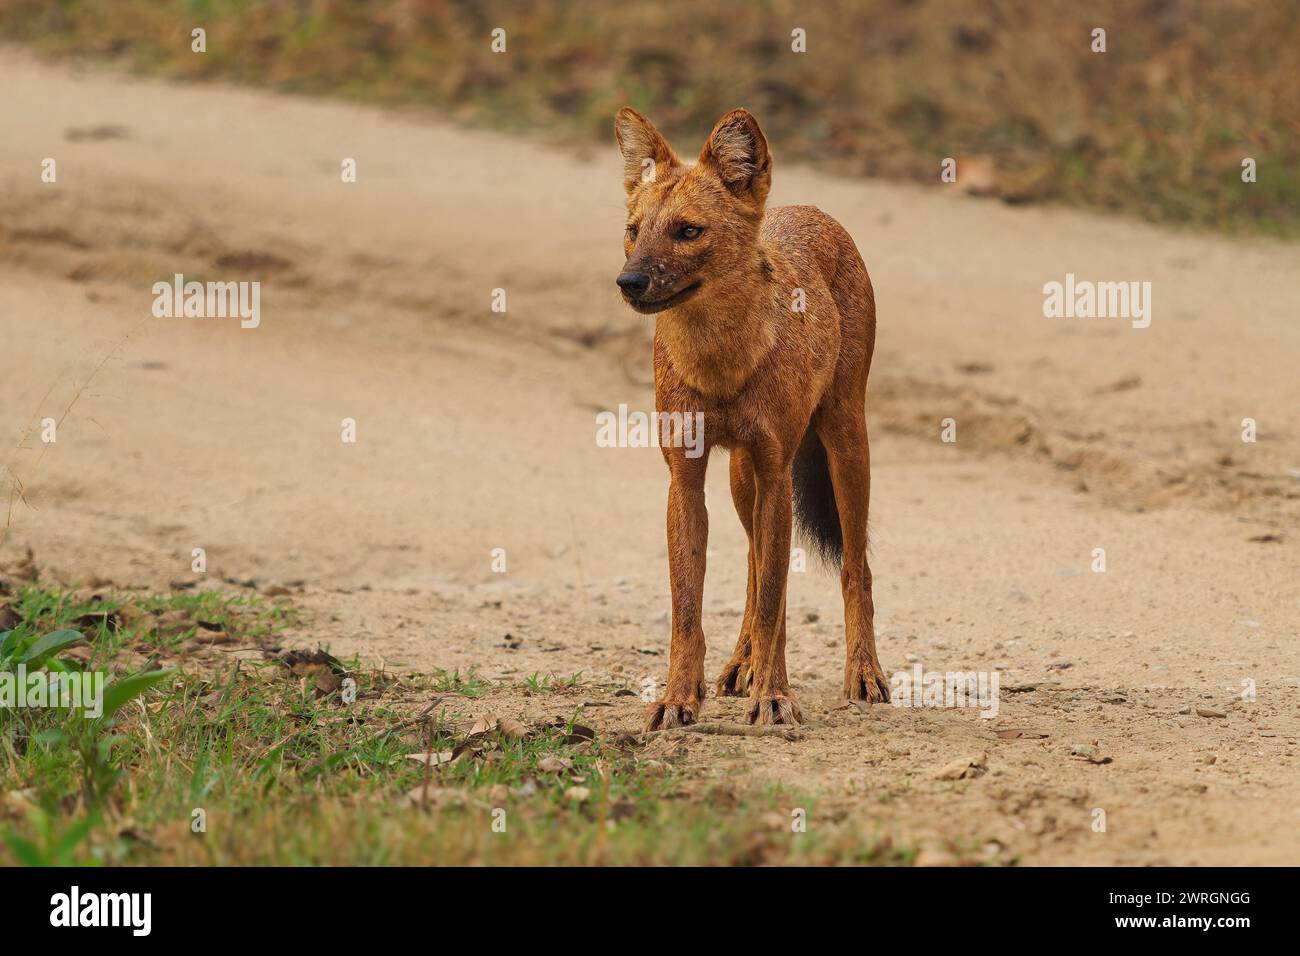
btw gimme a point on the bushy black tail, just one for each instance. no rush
(815, 511)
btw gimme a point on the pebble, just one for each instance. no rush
(1089, 753)
(963, 768)
(930, 856)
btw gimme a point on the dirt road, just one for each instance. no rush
(476, 431)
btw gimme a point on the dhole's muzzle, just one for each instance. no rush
(641, 290)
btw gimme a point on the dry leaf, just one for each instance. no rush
(172, 623)
(483, 725)
(327, 682)
(9, 618)
(512, 729)
(307, 663)
(205, 638)
(436, 759)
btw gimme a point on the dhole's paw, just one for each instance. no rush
(866, 682)
(664, 714)
(777, 709)
(735, 678)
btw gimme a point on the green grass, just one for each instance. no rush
(256, 760)
(552, 683)
(453, 683)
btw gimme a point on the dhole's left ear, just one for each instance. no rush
(737, 151)
(645, 152)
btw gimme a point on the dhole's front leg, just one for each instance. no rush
(734, 681)
(688, 536)
(770, 699)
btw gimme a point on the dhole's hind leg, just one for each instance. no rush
(850, 464)
(736, 675)
(770, 701)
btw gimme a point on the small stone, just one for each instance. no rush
(931, 856)
(1209, 712)
(1089, 753)
(963, 768)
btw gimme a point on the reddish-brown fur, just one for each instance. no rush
(771, 382)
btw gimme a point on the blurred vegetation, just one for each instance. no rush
(1157, 126)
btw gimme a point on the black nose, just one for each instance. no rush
(634, 283)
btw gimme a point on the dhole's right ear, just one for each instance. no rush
(645, 152)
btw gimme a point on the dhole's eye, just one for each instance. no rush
(690, 232)
(631, 231)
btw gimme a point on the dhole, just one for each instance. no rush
(765, 322)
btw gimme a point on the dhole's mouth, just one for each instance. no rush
(651, 306)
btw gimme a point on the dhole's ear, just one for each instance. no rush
(737, 151)
(645, 152)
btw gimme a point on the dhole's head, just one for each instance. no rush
(690, 227)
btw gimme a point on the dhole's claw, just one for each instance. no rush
(778, 709)
(665, 714)
(735, 678)
(867, 682)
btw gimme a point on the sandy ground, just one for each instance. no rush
(476, 430)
